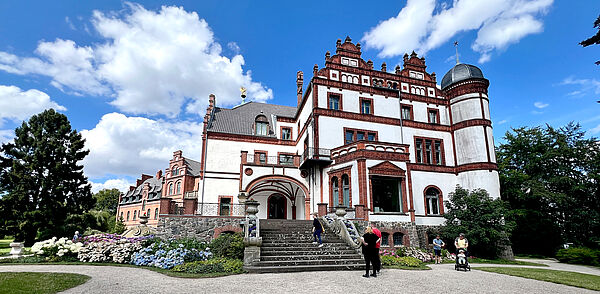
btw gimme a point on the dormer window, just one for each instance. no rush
(261, 126)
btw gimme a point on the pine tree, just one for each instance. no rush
(595, 39)
(41, 180)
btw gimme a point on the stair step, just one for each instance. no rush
(309, 247)
(284, 263)
(304, 268)
(264, 253)
(310, 257)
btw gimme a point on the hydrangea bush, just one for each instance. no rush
(159, 255)
(415, 252)
(110, 248)
(56, 249)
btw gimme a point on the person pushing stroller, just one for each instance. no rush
(462, 262)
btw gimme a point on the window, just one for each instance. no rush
(261, 157)
(349, 138)
(346, 190)
(225, 206)
(406, 112)
(286, 133)
(148, 213)
(360, 136)
(128, 213)
(366, 106)
(433, 116)
(371, 136)
(387, 194)
(397, 239)
(261, 126)
(174, 171)
(156, 213)
(286, 159)
(171, 189)
(134, 214)
(429, 151)
(385, 239)
(335, 192)
(178, 187)
(334, 102)
(351, 135)
(432, 200)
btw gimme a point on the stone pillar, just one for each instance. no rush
(359, 211)
(252, 238)
(340, 211)
(16, 249)
(189, 206)
(322, 209)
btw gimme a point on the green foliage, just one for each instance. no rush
(188, 243)
(551, 179)
(118, 227)
(228, 246)
(107, 200)
(41, 179)
(400, 261)
(579, 255)
(27, 259)
(480, 218)
(216, 265)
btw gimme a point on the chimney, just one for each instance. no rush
(370, 64)
(315, 70)
(159, 174)
(212, 100)
(177, 155)
(383, 67)
(299, 83)
(398, 69)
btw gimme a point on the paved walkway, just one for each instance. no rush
(441, 279)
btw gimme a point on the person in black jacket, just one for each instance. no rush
(369, 241)
(317, 229)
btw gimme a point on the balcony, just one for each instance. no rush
(315, 156)
(370, 150)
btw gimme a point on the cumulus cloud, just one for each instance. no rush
(540, 105)
(121, 184)
(16, 104)
(128, 146)
(421, 27)
(149, 62)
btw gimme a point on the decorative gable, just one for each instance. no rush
(387, 168)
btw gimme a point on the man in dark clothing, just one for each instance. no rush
(317, 229)
(369, 242)
(377, 258)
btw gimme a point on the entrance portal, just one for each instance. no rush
(277, 206)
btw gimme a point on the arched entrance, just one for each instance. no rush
(277, 207)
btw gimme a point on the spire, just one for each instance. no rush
(456, 48)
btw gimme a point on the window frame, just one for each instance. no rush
(257, 154)
(423, 153)
(439, 202)
(410, 108)
(281, 129)
(230, 198)
(371, 105)
(335, 95)
(291, 157)
(262, 120)
(156, 213)
(355, 132)
(437, 115)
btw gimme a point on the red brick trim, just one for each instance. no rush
(426, 126)
(372, 154)
(219, 206)
(228, 228)
(286, 119)
(490, 166)
(248, 171)
(472, 122)
(362, 181)
(249, 139)
(257, 156)
(339, 173)
(281, 128)
(371, 109)
(387, 168)
(440, 199)
(341, 99)
(410, 194)
(355, 87)
(278, 177)
(467, 87)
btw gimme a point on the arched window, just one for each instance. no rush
(156, 213)
(385, 239)
(178, 187)
(346, 190)
(171, 189)
(134, 214)
(175, 171)
(261, 126)
(432, 201)
(397, 239)
(335, 191)
(128, 215)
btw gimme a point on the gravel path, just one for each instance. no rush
(441, 279)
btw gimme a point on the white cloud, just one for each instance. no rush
(128, 146)
(16, 104)
(540, 105)
(121, 184)
(586, 86)
(6, 136)
(149, 62)
(70, 23)
(595, 130)
(502, 122)
(499, 23)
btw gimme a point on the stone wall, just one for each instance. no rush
(414, 235)
(203, 228)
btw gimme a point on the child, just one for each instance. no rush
(461, 257)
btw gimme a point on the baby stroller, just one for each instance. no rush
(462, 262)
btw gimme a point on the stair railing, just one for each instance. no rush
(343, 228)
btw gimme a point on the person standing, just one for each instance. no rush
(317, 230)
(437, 249)
(461, 243)
(76, 236)
(369, 240)
(376, 257)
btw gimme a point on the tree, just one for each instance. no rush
(480, 218)
(551, 178)
(41, 179)
(107, 200)
(595, 39)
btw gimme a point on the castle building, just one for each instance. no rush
(387, 145)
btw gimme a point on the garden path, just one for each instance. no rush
(441, 279)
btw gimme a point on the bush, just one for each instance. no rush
(579, 255)
(27, 259)
(400, 261)
(217, 265)
(228, 246)
(62, 249)
(415, 252)
(109, 248)
(162, 256)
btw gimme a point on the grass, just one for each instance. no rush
(496, 261)
(42, 283)
(37, 260)
(5, 247)
(580, 280)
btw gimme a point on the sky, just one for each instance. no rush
(134, 77)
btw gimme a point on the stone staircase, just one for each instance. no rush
(287, 247)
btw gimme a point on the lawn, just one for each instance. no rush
(42, 283)
(505, 261)
(580, 280)
(5, 247)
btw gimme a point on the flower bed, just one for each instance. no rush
(56, 249)
(415, 252)
(390, 260)
(110, 248)
(217, 265)
(159, 255)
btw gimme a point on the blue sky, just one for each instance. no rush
(134, 76)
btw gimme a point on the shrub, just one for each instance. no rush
(110, 248)
(415, 252)
(161, 255)
(400, 261)
(228, 246)
(579, 255)
(217, 265)
(26, 259)
(57, 249)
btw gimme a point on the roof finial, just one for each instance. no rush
(243, 91)
(456, 48)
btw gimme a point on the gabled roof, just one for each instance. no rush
(193, 166)
(240, 119)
